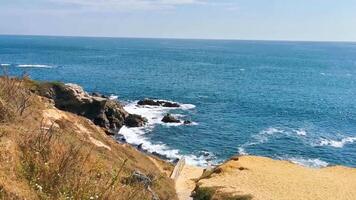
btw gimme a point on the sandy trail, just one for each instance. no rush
(185, 183)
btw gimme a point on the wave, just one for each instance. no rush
(309, 162)
(113, 97)
(5, 65)
(34, 66)
(154, 114)
(264, 135)
(337, 143)
(301, 132)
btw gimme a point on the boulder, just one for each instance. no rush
(133, 120)
(168, 118)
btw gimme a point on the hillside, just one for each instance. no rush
(46, 153)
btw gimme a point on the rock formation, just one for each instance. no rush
(104, 112)
(151, 102)
(168, 118)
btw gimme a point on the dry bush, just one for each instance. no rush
(56, 169)
(14, 97)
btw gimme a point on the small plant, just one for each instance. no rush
(204, 193)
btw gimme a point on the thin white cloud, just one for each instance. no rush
(127, 5)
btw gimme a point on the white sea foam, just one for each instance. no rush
(34, 66)
(264, 135)
(4, 65)
(301, 132)
(113, 97)
(242, 151)
(314, 163)
(154, 115)
(337, 143)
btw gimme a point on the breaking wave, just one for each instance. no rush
(337, 143)
(313, 163)
(154, 115)
(34, 66)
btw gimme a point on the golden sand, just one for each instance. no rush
(185, 183)
(268, 179)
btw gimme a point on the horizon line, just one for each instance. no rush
(182, 38)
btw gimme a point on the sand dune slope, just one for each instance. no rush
(267, 179)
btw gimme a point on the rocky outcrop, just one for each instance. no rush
(103, 111)
(133, 120)
(168, 118)
(151, 102)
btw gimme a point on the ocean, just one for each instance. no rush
(285, 100)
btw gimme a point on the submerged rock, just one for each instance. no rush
(169, 104)
(151, 102)
(168, 118)
(186, 122)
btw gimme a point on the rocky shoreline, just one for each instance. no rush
(103, 111)
(219, 182)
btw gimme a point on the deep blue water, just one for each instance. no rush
(286, 100)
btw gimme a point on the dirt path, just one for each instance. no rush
(185, 183)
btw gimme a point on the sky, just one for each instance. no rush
(306, 20)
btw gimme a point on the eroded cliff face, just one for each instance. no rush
(47, 153)
(100, 109)
(260, 178)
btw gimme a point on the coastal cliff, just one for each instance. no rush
(48, 153)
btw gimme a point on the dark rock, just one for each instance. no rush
(151, 102)
(133, 120)
(186, 122)
(235, 158)
(139, 147)
(175, 161)
(168, 118)
(169, 104)
(148, 102)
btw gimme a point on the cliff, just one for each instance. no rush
(47, 153)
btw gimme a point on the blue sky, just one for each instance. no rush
(317, 20)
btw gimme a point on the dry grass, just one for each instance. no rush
(56, 169)
(57, 162)
(17, 97)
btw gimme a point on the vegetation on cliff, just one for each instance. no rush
(46, 153)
